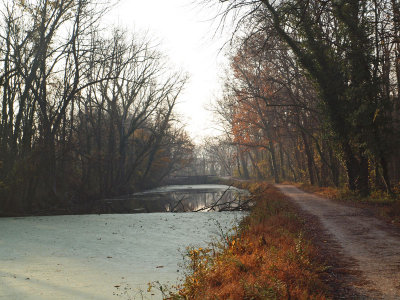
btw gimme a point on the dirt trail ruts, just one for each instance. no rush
(373, 244)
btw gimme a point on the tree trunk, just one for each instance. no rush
(310, 159)
(357, 170)
(273, 161)
(244, 166)
(282, 158)
(256, 168)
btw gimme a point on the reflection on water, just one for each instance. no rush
(182, 198)
(205, 201)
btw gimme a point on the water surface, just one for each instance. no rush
(99, 256)
(181, 198)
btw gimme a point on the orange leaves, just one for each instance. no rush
(267, 258)
(246, 124)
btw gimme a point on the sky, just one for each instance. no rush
(188, 34)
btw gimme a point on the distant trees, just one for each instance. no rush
(270, 109)
(83, 114)
(321, 76)
(215, 156)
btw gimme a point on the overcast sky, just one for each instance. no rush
(187, 34)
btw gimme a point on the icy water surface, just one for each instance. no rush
(99, 256)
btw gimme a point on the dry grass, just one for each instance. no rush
(268, 257)
(380, 203)
(326, 192)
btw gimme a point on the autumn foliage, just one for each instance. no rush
(312, 93)
(267, 258)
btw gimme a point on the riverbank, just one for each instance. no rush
(269, 256)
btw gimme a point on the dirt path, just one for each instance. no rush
(373, 244)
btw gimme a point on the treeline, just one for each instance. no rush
(85, 113)
(312, 93)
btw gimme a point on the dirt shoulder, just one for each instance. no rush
(363, 251)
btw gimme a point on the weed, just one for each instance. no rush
(266, 257)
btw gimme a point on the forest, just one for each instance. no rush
(86, 112)
(312, 94)
(94, 153)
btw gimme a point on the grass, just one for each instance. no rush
(380, 203)
(267, 257)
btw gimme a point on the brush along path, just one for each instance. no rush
(373, 244)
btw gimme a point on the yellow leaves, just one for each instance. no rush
(194, 280)
(198, 251)
(149, 287)
(375, 114)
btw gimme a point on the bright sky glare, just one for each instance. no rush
(189, 37)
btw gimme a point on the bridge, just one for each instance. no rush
(192, 179)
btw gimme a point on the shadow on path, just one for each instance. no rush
(373, 244)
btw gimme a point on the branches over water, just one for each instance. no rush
(86, 112)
